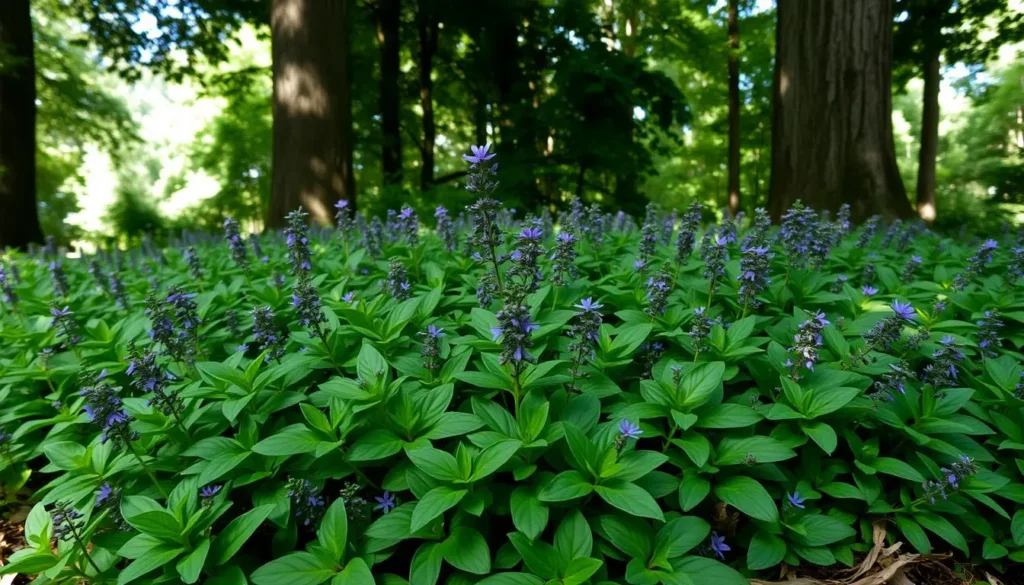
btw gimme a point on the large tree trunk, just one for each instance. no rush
(929, 135)
(312, 154)
(427, 23)
(832, 137)
(19, 215)
(388, 21)
(734, 108)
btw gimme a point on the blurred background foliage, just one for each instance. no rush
(617, 102)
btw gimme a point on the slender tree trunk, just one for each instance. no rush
(832, 139)
(734, 108)
(388, 21)
(312, 153)
(19, 214)
(427, 23)
(929, 137)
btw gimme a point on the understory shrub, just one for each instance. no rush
(513, 401)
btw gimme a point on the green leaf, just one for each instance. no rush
(333, 531)
(942, 528)
(191, 565)
(822, 434)
(377, 444)
(294, 439)
(898, 468)
(748, 496)
(152, 560)
(159, 523)
(700, 382)
(573, 539)
(30, 563)
(583, 451)
(678, 536)
(1017, 528)
(435, 463)
(299, 568)
(634, 465)
(629, 498)
(766, 550)
(236, 533)
(913, 532)
(628, 534)
(511, 579)
(567, 485)
(696, 446)
(466, 550)
(734, 451)
(356, 573)
(825, 401)
(704, 570)
(692, 491)
(816, 555)
(529, 514)
(820, 530)
(578, 571)
(426, 564)
(727, 416)
(492, 458)
(370, 363)
(540, 557)
(434, 503)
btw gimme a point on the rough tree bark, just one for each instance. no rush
(929, 121)
(388, 22)
(19, 215)
(832, 139)
(734, 108)
(427, 24)
(312, 150)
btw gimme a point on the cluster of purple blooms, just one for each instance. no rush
(714, 253)
(585, 333)
(7, 293)
(868, 231)
(5, 439)
(192, 261)
(96, 272)
(67, 522)
(117, 291)
(988, 333)
(688, 232)
(108, 499)
(431, 352)
(808, 341)
(659, 287)
(267, 334)
(975, 264)
(910, 269)
(147, 377)
(944, 369)
(528, 251)
(344, 219)
(307, 305)
(104, 408)
(64, 322)
(755, 262)
(952, 477)
(1015, 270)
(887, 331)
(175, 322)
(445, 229)
(59, 279)
(627, 430)
(307, 502)
(798, 234)
(700, 329)
(893, 382)
(409, 226)
(563, 259)
(397, 282)
(514, 329)
(649, 234)
(239, 253)
(297, 240)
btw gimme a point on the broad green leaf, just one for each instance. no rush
(436, 502)
(573, 539)
(191, 564)
(748, 496)
(292, 440)
(466, 550)
(356, 573)
(766, 550)
(492, 458)
(629, 498)
(236, 533)
(298, 568)
(333, 531)
(426, 564)
(567, 485)
(435, 463)
(150, 561)
(529, 514)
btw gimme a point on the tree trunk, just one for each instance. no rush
(19, 219)
(427, 23)
(312, 152)
(388, 20)
(929, 136)
(734, 108)
(832, 137)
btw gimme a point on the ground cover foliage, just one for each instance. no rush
(483, 398)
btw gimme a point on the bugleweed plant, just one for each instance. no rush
(513, 401)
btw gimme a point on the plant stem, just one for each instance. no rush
(85, 551)
(145, 467)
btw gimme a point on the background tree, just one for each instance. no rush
(19, 222)
(930, 32)
(832, 138)
(734, 107)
